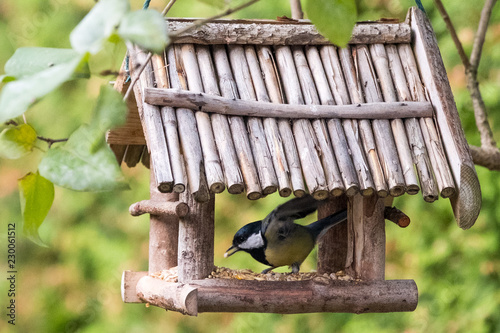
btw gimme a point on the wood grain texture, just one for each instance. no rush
(267, 32)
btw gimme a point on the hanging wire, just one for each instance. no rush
(127, 57)
(420, 6)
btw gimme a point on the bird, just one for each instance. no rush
(277, 241)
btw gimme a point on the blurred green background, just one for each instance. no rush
(74, 284)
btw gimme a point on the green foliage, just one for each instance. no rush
(37, 195)
(145, 28)
(28, 61)
(18, 141)
(85, 162)
(17, 96)
(334, 19)
(99, 24)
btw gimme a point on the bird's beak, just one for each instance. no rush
(232, 250)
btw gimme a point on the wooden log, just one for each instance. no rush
(222, 132)
(153, 126)
(317, 295)
(395, 215)
(466, 202)
(229, 89)
(366, 238)
(131, 132)
(268, 32)
(433, 143)
(133, 155)
(188, 134)
(362, 132)
(128, 286)
(325, 77)
(271, 130)
(384, 139)
(289, 162)
(402, 76)
(182, 298)
(170, 126)
(213, 168)
(196, 239)
(163, 231)
(119, 151)
(146, 159)
(179, 209)
(303, 131)
(261, 154)
(343, 151)
(240, 107)
(332, 247)
(306, 68)
(381, 64)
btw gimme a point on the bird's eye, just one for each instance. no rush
(239, 239)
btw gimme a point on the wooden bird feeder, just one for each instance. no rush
(264, 106)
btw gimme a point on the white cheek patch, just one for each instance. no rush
(253, 242)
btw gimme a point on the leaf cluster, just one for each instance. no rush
(83, 162)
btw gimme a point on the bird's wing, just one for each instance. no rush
(294, 209)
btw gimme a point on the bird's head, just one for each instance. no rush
(248, 238)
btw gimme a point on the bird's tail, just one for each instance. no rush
(320, 227)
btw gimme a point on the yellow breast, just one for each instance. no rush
(294, 248)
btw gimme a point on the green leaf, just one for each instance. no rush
(17, 96)
(31, 60)
(74, 165)
(334, 19)
(37, 195)
(85, 162)
(110, 111)
(15, 142)
(99, 24)
(146, 28)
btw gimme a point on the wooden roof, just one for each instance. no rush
(219, 136)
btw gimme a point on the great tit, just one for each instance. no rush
(277, 241)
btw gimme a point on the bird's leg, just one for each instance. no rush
(295, 267)
(267, 270)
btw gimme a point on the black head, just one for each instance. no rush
(249, 237)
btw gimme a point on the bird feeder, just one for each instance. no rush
(262, 106)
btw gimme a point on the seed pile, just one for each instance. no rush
(170, 275)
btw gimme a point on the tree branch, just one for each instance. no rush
(296, 9)
(453, 32)
(480, 114)
(488, 154)
(477, 47)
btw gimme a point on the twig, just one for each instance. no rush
(139, 72)
(167, 8)
(201, 22)
(296, 9)
(143, 66)
(488, 154)
(195, 24)
(480, 114)
(477, 47)
(453, 32)
(49, 141)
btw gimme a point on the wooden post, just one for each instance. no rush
(196, 239)
(366, 238)
(332, 247)
(163, 232)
